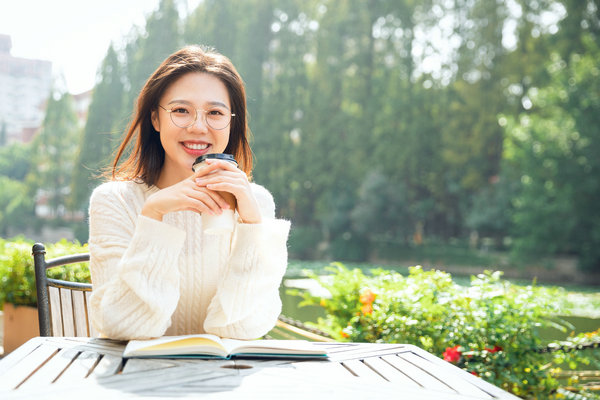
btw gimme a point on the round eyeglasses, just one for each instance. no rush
(184, 116)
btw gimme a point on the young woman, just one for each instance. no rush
(154, 270)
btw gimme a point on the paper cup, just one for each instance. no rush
(224, 223)
(218, 224)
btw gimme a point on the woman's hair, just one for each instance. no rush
(147, 156)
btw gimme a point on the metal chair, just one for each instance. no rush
(62, 305)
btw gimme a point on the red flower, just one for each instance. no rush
(474, 373)
(495, 349)
(452, 354)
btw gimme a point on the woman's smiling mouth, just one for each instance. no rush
(196, 149)
(196, 146)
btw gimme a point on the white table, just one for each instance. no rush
(85, 368)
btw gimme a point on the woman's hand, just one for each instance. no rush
(185, 195)
(223, 176)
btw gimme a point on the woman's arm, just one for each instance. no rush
(133, 265)
(247, 302)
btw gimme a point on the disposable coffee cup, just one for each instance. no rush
(224, 223)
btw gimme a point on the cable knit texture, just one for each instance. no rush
(154, 278)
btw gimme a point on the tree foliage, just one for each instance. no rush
(101, 132)
(553, 151)
(53, 151)
(456, 112)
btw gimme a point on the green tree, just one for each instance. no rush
(340, 90)
(3, 135)
(381, 214)
(54, 151)
(553, 151)
(216, 24)
(16, 206)
(147, 49)
(279, 112)
(15, 160)
(100, 135)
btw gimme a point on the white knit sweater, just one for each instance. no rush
(155, 278)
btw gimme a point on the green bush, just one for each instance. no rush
(17, 276)
(490, 328)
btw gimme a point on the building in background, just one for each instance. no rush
(24, 89)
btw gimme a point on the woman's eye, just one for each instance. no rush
(215, 112)
(180, 110)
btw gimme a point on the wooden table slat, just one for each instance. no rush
(16, 356)
(417, 374)
(390, 373)
(156, 378)
(362, 350)
(80, 368)
(102, 346)
(358, 368)
(107, 366)
(449, 378)
(22, 370)
(51, 370)
(323, 369)
(271, 383)
(84, 367)
(492, 390)
(142, 364)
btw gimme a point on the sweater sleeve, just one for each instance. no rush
(133, 267)
(247, 302)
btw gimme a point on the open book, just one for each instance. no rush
(211, 346)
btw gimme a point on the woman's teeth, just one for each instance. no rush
(195, 146)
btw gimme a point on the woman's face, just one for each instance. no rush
(194, 93)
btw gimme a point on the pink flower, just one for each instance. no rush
(452, 354)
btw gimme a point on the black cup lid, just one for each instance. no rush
(216, 156)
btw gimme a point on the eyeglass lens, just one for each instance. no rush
(185, 116)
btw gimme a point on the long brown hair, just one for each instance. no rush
(147, 155)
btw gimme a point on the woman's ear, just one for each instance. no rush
(154, 119)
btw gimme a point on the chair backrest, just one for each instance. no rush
(62, 305)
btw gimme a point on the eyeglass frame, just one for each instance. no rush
(196, 118)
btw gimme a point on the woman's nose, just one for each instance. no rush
(200, 123)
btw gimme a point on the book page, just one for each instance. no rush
(275, 347)
(175, 345)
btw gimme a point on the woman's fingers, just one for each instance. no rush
(185, 195)
(213, 202)
(230, 178)
(210, 166)
(218, 176)
(230, 187)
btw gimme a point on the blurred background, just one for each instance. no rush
(462, 133)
